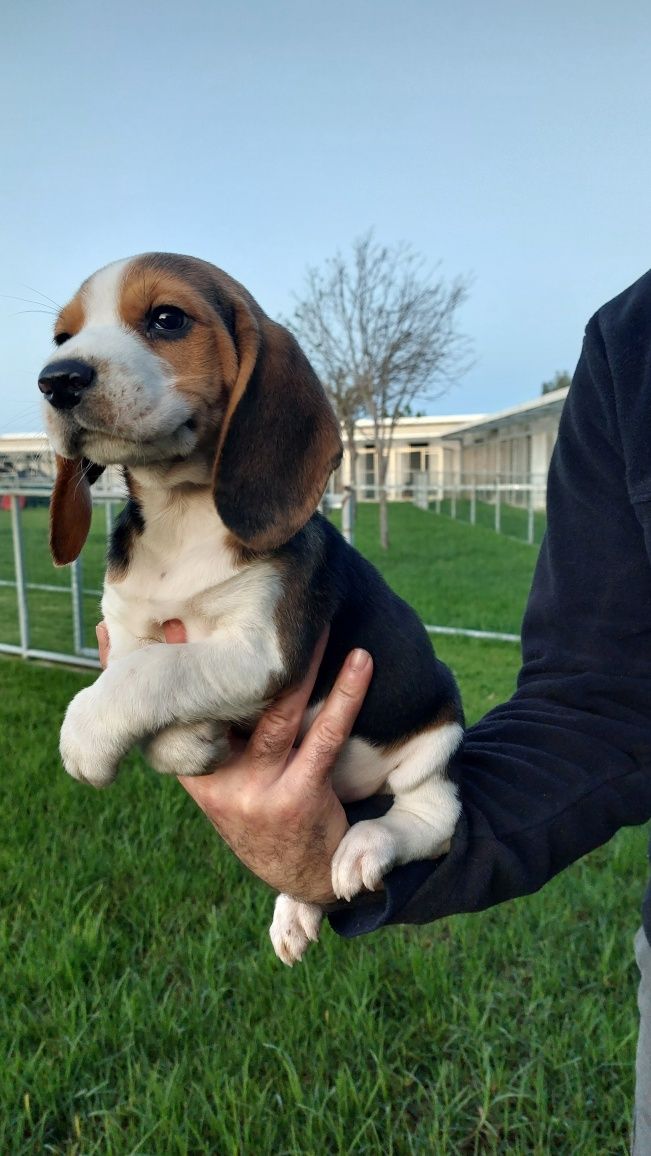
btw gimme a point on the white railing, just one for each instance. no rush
(499, 496)
(512, 504)
(15, 494)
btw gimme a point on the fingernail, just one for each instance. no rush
(359, 659)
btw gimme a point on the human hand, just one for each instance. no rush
(103, 644)
(273, 803)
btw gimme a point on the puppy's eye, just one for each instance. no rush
(168, 319)
(59, 338)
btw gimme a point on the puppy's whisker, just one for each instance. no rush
(83, 475)
(47, 312)
(45, 296)
(25, 414)
(26, 301)
(116, 422)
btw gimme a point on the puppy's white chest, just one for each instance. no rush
(180, 558)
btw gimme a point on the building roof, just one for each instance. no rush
(428, 419)
(547, 403)
(424, 427)
(23, 442)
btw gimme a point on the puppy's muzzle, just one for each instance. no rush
(63, 382)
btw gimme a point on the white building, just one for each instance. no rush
(416, 448)
(27, 457)
(514, 445)
(462, 450)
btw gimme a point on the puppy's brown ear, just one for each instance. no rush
(71, 507)
(280, 439)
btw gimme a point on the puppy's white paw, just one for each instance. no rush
(188, 748)
(89, 751)
(366, 852)
(295, 925)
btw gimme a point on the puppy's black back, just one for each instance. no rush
(411, 689)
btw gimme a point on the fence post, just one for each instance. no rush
(530, 515)
(19, 568)
(108, 507)
(348, 514)
(473, 500)
(498, 508)
(420, 495)
(76, 588)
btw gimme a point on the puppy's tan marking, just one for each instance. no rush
(72, 317)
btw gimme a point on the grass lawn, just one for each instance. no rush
(143, 1010)
(454, 574)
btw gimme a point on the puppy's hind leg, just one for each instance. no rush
(419, 825)
(295, 925)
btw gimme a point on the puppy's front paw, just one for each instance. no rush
(366, 852)
(188, 749)
(89, 753)
(295, 925)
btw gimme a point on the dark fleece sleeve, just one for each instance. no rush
(557, 770)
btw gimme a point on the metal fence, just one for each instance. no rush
(24, 549)
(510, 504)
(503, 500)
(15, 500)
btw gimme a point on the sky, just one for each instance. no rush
(506, 141)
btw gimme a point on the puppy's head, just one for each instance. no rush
(166, 362)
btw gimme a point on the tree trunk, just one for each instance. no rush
(350, 490)
(384, 520)
(352, 464)
(383, 463)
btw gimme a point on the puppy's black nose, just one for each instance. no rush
(63, 382)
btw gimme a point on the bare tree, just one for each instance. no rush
(317, 325)
(381, 331)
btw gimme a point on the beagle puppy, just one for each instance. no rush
(167, 367)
